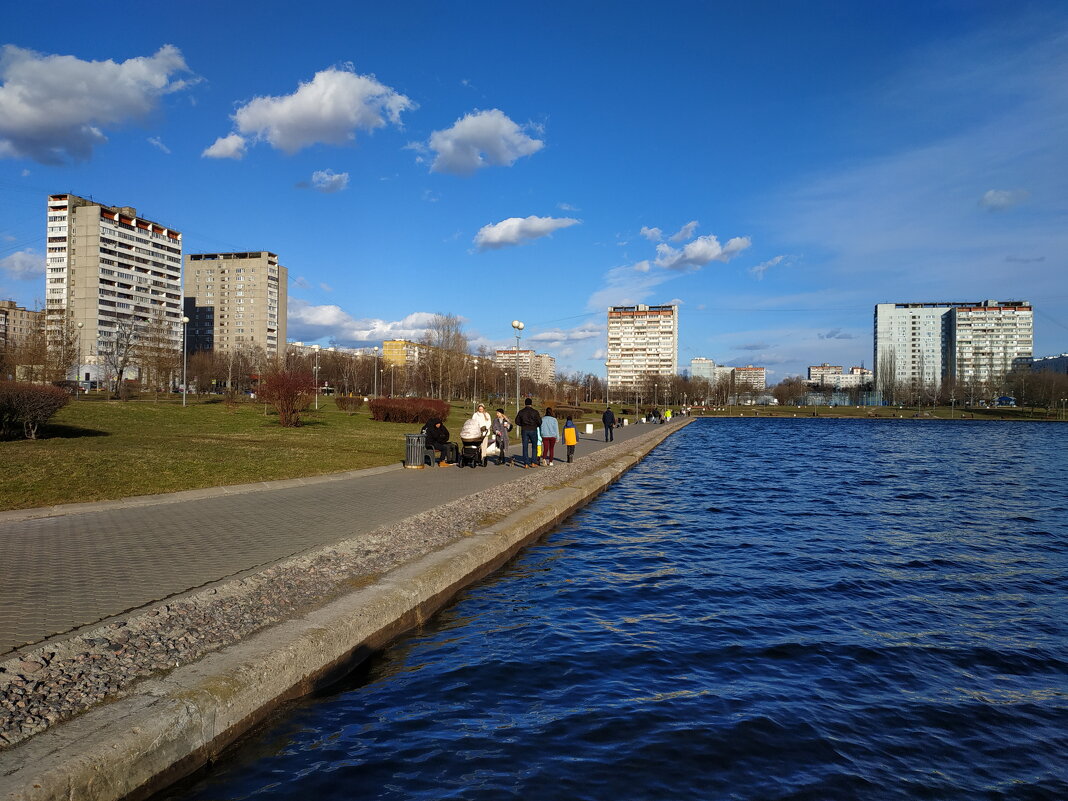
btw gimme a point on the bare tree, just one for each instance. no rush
(117, 350)
(159, 351)
(444, 355)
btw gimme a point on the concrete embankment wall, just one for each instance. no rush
(168, 727)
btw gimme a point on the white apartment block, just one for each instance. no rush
(538, 367)
(990, 339)
(235, 301)
(749, 378)
(700, 367)
(17, 324)
(924, 343)
(818, 373)
(642, 341)
(108, 269)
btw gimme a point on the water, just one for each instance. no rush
(762, 609)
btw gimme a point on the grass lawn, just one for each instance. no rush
(98, 450)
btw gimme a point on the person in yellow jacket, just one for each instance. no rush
(570, 438)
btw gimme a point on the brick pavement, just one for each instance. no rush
(64, 572)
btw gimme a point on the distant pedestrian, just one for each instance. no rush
(501, 426)
(529, 421)
(550, 431)
(570, 438)
(609, 421)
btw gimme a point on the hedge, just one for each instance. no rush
(349, 404)
(408, 410)
(24, 407)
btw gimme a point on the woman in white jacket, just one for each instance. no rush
(485, 425)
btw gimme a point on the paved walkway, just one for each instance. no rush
(61, 573)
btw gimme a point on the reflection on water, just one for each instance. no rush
(762, 609)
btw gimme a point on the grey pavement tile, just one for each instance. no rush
(64, 572)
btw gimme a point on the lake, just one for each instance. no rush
(761, 609)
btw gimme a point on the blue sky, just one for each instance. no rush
(775, 168)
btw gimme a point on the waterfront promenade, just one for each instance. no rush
(70, 567)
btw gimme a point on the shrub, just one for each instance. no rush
(408, 410)
(27, 406)
(350, 405)
(561, 412)
(290, 393)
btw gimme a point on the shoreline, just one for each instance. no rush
(135, 740)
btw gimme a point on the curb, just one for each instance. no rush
(169, 727)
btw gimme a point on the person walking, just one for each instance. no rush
(609, 421)
(501, 426)
(485, 424)
(529, 421)
(570, 438)
(550, 431)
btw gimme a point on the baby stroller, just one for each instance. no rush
(471, 436)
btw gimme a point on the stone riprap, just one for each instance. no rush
(54, 682)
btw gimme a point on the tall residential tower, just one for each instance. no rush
(235, 301)
(642, 341)
(108, 270)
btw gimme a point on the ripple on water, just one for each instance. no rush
(890, 625)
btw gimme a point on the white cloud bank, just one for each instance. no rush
(226, 147)
(54, 109)
(686, 232)
(517, 230)
(328, 109)
(328, 181)
(23, 265)
(700, 252)
(478, 140)
(1001, 199)
(307, 322)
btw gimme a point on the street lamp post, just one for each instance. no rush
(391, 392)
(185, 358)
(474, 393)
(607, 386)
(78, 351)
(375, 349)
(518, 326)
(315, 369)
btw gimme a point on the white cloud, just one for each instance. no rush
(700, 252)
(328, 181)
(308, 323)
(684, 233)
(481, 139)
(567, 207)
(325, 287)
(516, 230)
(155, 141)
(23, 265)
(652, 234)
(329, 109)
(54, 109)
(1001, 199)
(758, 270)
(226, 147)
(558, 336)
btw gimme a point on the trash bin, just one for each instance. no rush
(414, 450)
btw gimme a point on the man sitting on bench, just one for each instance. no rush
(437, 440)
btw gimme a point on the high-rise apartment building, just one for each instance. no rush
(700, 367)
(642, 341)
(236, 300)
(925, 343)
(750, 378)
(820, 373)
(990, 339)
(108, 271)
(538, 367)
(16, 324)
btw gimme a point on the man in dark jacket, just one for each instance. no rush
(529, 421)
(609, 421)
(437, 438)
